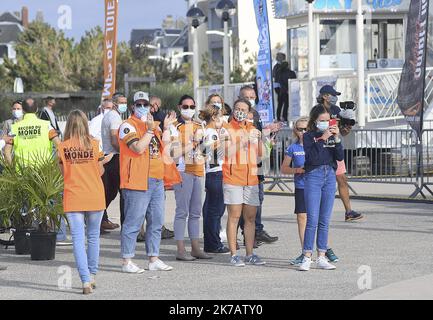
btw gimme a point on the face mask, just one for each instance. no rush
(253, 103)
(122, 108)
(240, 115)
(333, 100)
(218, 105)
(188, 113)
(141, 112)
(322, 125)
(18, 114)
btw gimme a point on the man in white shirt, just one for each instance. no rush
(96, 123)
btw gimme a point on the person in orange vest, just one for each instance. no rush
(241, 183)
(188, 194)
(142, 171)
(81, 162)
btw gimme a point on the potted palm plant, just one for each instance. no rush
(38, 201)
(13, 210)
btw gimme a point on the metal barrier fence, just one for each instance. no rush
(371, 156)
(427, 160)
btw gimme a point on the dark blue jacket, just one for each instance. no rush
(320, 152)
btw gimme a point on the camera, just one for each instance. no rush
(347, 114)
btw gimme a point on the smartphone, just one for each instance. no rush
(332, 122)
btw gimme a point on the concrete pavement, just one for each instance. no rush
(392, 245)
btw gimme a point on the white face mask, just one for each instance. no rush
(188, 114)
(253, 103)
(18, 114)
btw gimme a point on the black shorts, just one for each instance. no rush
(299, 201)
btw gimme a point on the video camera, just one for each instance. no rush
(347, 114)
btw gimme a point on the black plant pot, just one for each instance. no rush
(22, 241)
(43, 245)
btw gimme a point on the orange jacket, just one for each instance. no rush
(135, 168)
(240, 169)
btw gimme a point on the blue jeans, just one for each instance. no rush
(87, 263)
(213, 210)
(140, 205)
(259, 225)
(319, 193)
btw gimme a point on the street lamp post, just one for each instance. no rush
(195, 17)
(224, 10)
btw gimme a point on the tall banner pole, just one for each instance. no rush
(265, 107)
(411, 91)
(110, 47)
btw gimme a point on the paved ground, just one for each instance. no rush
(393, 244)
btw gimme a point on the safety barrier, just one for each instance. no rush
(371, 156)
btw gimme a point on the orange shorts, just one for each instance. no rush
(341, 168)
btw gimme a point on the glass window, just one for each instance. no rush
(337, 44)
(298, 48)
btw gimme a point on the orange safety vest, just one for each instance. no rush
(240, 169)
(135, 168)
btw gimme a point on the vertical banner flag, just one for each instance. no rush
(264, 63)
(412, 84)
(110, 46)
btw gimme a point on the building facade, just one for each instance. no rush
(335, 34)
(11, 25)
(243, 30)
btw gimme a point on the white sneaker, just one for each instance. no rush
(223, 235)
(323, 263)
(131, 268)
(158, 265)
(305, 265)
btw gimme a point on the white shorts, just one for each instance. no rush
(248, 195)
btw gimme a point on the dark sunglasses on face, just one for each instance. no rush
(185, 107)
(301, 129)
(138, 105)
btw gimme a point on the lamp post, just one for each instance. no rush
(195, 17)
(224, 10)
(361, 61)
(311, 65)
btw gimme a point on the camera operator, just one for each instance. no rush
(346, 119)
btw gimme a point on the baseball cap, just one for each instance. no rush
(140, 95)
(327, 89)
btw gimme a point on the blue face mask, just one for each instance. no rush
(141, 112)
(122, 108)
(333, 100)
(322, 126)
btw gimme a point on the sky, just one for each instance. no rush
(85, 14)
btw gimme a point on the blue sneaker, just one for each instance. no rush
(353, 216)
(297, 261)
(331, 255)
(237, 262)
(254, 260)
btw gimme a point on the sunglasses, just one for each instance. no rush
(301, 129)
(139, 105)
(185, 107)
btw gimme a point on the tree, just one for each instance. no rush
(88, 57)
(212, 72)
(44, 59)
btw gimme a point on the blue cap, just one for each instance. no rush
(327, 89)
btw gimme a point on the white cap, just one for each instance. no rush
(140, 95)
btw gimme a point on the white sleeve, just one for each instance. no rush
(2, 144)
(126, 130)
